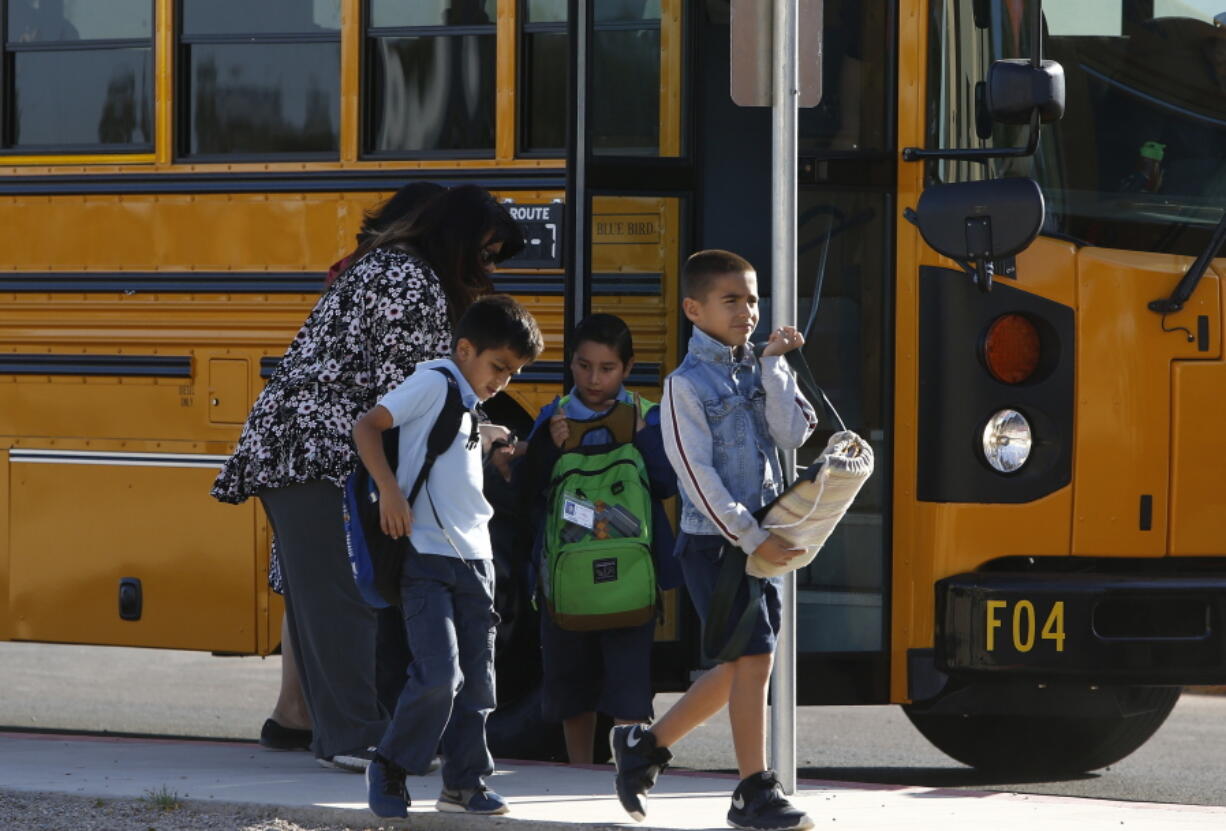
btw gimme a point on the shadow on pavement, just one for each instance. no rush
(951, 777)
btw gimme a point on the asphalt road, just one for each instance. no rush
(194, 694)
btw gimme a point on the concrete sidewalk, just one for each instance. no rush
(543, 796)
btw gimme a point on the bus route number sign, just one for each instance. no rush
(542, 226)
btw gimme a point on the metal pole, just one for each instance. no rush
(784, 98)
(576, 211)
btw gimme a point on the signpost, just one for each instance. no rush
(789, 49)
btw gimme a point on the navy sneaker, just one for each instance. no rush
(386, 793)
(471, 801)
(639, 761)
(758, 803)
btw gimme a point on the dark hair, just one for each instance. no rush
(703, 267)
(498, 320)
(609, 330)
(449, 234)
(406, 202)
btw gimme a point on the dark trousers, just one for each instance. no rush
(333, 628)
(448, 607)
(391, 656)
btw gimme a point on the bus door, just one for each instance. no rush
(846, 217)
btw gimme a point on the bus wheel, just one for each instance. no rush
(1036, 730)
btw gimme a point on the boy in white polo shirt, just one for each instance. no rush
(447, 587)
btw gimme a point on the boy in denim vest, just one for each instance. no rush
(724, 414)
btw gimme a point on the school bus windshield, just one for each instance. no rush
(1136, 162)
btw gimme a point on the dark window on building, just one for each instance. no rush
(625, 77)
(431, 73)
(259, 78)
(76, 76)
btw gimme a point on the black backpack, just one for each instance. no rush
(377, 560)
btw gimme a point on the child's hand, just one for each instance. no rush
(783, 340)
(491, 434)
(775, 550)
(395, 515)
(559, 430)
(501, 454)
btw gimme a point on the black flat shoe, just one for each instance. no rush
(275, 737)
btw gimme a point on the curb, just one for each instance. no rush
(351, 819)
(361, 819)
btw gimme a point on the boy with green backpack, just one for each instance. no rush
(592, 480)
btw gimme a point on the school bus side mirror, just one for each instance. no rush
(1026, 91)
(981, 222)
(1017, 89)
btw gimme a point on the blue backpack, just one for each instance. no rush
(377, 560)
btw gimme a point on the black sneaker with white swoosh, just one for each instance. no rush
(638, 761)
(758, 804)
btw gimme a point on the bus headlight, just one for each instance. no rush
(1007, 441)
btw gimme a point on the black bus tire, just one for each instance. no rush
(1036, 741)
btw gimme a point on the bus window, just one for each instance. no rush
(432, 77)
(65, 94)
(855, 58)
(1136, 161)
(263, 79)
(543, 102)
(626, 74)
(636, 79)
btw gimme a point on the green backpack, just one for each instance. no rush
(598, 572)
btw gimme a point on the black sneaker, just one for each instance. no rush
(639, 761)
(386, 793)
(276, 737)
(355, 761)
(758, 803)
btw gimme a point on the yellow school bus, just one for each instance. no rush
(1037, 565)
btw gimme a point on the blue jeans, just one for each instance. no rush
(448, 607)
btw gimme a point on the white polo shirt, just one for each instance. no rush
(454, 484)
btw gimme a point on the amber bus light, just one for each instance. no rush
(1011, 349)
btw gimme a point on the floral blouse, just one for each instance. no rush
(380, 318)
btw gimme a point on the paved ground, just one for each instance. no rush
(151, 692)
(541, 795)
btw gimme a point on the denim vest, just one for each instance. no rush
(742, 452)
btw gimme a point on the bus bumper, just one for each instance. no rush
(1110, 628)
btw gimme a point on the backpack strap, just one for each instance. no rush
(642, 405)
(442, 434)
(619, 421)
